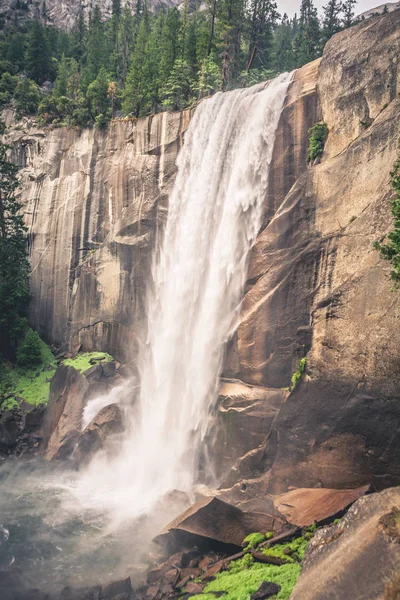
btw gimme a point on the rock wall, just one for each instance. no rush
(319, 289)
(95, 203)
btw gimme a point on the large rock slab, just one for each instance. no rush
(245, 417)
(304, 507)
(356, 558)
(210, 522)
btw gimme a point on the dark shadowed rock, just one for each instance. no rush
(304, 507)
(266, 590)
(20, 430)
(356, 557)
(212, 523)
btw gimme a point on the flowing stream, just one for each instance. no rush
(198, 277)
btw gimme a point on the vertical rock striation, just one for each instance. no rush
(95, 203)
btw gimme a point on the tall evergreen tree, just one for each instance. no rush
(331, 23)
(307, 43)
(348, 12)
(263, 15)
(283, 46)
(133, 96)
(38, 54)
(14, 266)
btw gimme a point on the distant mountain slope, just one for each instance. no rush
(63, 13)
(379, 9)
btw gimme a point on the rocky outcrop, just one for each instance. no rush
(95, 202)
(357, 558)
(70, 391)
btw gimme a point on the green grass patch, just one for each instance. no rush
(253, 540)
(82, 363)
(32, 384)
(292, 551)
(239, 585)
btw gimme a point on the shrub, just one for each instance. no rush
(317, 137)
(299, 373)
(29, 351)
(27, 97)
(391, 250)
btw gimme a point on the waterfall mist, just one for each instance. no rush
(198, 276)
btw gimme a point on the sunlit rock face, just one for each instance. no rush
(318, 288)
(95, 202)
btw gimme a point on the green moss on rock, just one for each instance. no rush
(86, 360)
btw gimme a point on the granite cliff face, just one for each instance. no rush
(95, 204)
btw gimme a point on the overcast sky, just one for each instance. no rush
(292, 6)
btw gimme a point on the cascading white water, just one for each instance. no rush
(198, 278)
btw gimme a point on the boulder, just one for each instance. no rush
(212, 524)
(356, 558)
(108, 422)
(62, 421)
(304, 507)
(266, 590)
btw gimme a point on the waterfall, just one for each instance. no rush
(198, 277)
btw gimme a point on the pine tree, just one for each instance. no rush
(231, 18)
(331, 23)
(264, 16)
(38, 54)
(210, 79)
(348, 12)
(98, 97)
(135, 82)
(171, 42)
(29, 353)
(14, 266)
(177, 89)
(283, 46)
(96, 55)
(307, 44)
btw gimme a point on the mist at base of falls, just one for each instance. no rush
(102, 514)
